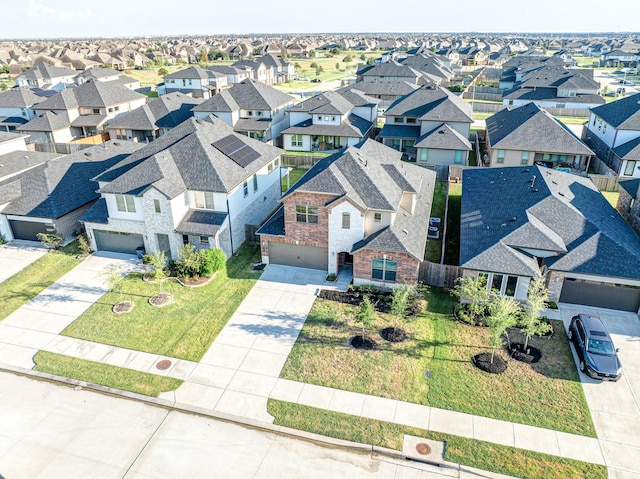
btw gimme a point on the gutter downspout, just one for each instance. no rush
(230, 228)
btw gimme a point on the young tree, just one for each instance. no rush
(158, 261)
(162, 72)
(312, 53)
(365, 314)
(503, 312)
(533, 323)
(399, 302)
(347, 59)
(363, 57)
(474, 291)
(114, 276)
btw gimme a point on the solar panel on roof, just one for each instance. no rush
(237, 150)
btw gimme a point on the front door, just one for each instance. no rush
(164, 244)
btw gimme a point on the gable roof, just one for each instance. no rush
(327, 103)
(46, 71)
(531, 128)
(90, 94)
(623, 114)
(443, 138)
(166, 111)
(563, 214)
(246, 95)
(432, 103)
(187, 158)
(19, 97)
(631, 186)
(48, 121)
(193, 73)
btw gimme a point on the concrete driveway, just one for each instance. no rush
(17, 255)
(615, 407)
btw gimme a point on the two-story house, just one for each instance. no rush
(390, 71)
(528, 135)
(106, 75)
(361, 208)
(16, 107)
(234, 74)
(251, 108)
(330, 121)
(87, 107)
(199, 82)
(613, 132)
(200, 183)
(268, 69)
(155, 118)
(47, 77)
(629, 203)
(431, 125)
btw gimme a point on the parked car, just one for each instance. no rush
(597, 355)
(316, 80)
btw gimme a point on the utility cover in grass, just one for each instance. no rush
(483, 362)
(122, 307)
(161, 299)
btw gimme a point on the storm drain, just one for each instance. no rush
(164, 364)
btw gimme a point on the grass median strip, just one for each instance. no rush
(23, 286)
(469, 452)
(104, 374)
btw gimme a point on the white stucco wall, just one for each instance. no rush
(342, 239)
(13, 145)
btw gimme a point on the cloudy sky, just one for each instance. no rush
(82, 18)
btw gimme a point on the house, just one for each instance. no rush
(52, 196)
(385, 92)
(47, 76)
(106, 75)
(391, 71)
(87, 107)
(16, 107)
(330, 121)
(629, 203)
(11, 142)
(430, 65)
(48, 128)
(153, 119)
(613, 132)
(200, 183)
(618, 58)
(528, 135)
(199, 82)
(522, 222)
(234, 74)
(14, 156)
(250, 108)
(425, 116)
(361, 208)
(268, 69)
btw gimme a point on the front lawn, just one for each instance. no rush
(461, 450)
(434, 367)
(35, 278)
(183, 329)
(104, 374)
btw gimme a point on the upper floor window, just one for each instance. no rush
(525, 158)
(156, 206)
(203, 199)
(411, 121)
(398, 119)
(96, 111)
(629, 167)
(459, 157)
(307, 214)
(501, 154)
(255, 183)
(377, 217)
(126, 203)
(346, 221)
(245, 188)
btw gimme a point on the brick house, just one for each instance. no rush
(361, 208)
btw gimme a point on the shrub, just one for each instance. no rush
(3, 240)
(212, 260)
(50, 240)
(188, 263)
(84, 246)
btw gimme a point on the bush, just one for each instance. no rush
(50, 240)
(213, 260)
(84, 246)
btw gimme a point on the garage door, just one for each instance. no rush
(28, 230)
(301, 256)
(600, 295)
(117, 242)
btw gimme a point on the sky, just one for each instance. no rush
(118, 18)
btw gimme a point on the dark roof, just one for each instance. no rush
(90, 94)
(201, 223)
(97, 213)
(386, 88)
(631, 186)
(252, 124)
(274, 226)
(550, 94)
(48, 121)
(194, 73)
(353, 126)
(623, 114)
(400, 131)
(13, 120)
(246, 95)
(327, 103)
(563, 214)
(44, 70)
(166, 111)
(443, 138)
(61, 185)
(389, 69)
(186, 158)
(88, 120)
(17, 161)
(531, 128)
(629, 150)
(432, 103)
(19, 97)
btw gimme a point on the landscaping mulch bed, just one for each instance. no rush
(363, 342)
(393, 334)
(531, 356)
(258, 266)
(381, 299)
(123, 307)
(161, 299)
(461, 318)
(483, 362)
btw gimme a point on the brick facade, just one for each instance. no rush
(407, 271)
(68, 226)
(631, 214)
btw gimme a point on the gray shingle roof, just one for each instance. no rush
(550, 94)
(90, 94)
(185, 158)
(19, 97)
(531, 128)
(201, 223)
(97, 213)
(502, 216)
(247, 95)
(443, 138)
(17, 161)
(432, 103)
(46, 71)
(386, 88)
(166, 111)
(353, 126)
(48, 121)
(327, 103)
(194, 73)
(623, 114)
(6, 136)
(399, 131)
(61, 185)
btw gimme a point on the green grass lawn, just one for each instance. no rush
(292, 177)
(183, 329)
(611, 196)
(547, 395)
(452, 246)
(104, 374)
(461, 450)
(573, 120)
(433, 248)
(39, 275)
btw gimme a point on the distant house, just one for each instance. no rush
(528, 135)
(250, 108)
(47, 76)
(52, 196)
(618, 58)
(361, 209)
(106, 75)
(234, 74)
(330, 121)
(11, 142)
(268, 69)
(200, 183)
(391, 71)
(522, 222)
(613, 132)
(16, 107)
(199, 82)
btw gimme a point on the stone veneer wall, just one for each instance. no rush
(631, 214)
(69, 224)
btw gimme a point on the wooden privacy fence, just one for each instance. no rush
(605, 182)
(301, 161)
(441, 275)
(62, 148)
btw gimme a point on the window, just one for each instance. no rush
(116, 108)
(126, 203)
(296, 140)
(497, 282)
(121, 134)
(411, 121)
(484, 278)
(186, 198)
(307, 214)
(409, 142)
(204, 199)
(424, 154)
(249, 113)
(96, 111)
(326, 118)
(500, 156)
(258, 113)
(255, 183)
(383, 269)
(629, 167)
(546, 157)
(204, 239)
(510, 288)
(459, 157)
(377, 217)
(156, 205)
(398, 119)
(184, 82)
(245, 188)
(563, 158)
(525, 158)
(346, 221)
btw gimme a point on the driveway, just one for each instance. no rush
(615, 407)
(17, 255)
